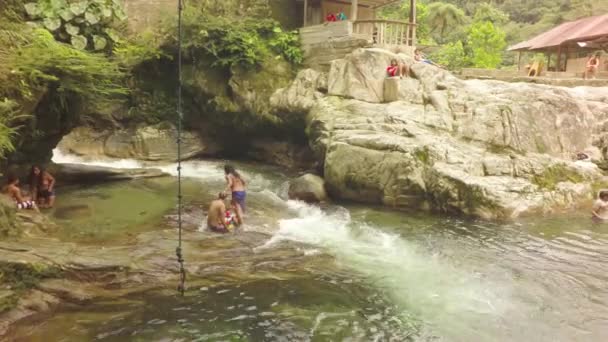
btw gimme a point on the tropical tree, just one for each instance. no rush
(452, 55)
(487, 12)
(442, 18)
(486, 43)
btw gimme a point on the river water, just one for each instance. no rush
(373, 275)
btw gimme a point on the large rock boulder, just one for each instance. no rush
(154, 143)
(309, 188)
(485, 148)
(281, 153)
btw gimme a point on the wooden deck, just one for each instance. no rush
(385, 33)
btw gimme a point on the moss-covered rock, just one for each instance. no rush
(16, 278)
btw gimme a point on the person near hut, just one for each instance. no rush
(341, 16)
(14, 192)
(591, 67)
(396, 69)
(331, 17)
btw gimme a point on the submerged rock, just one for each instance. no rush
(484, 148)
(309, 188)
(88, 174)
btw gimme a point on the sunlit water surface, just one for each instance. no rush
(391, 276)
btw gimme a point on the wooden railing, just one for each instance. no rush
(387, 32)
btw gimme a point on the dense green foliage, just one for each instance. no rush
(86, 24)
(35, 67)
(486, 43)
(229, 42)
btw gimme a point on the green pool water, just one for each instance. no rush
(371, 274)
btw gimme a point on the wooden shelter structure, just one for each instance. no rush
(570, 43)
(361, 22)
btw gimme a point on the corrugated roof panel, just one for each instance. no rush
(578, 30)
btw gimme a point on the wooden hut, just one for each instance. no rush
(568, 45)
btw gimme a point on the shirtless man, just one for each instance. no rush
(216, 215)
(592, 65)
(600, 207)
(12, 190)
(42, 186)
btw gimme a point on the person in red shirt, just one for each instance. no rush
(396, 69)
(331, 17)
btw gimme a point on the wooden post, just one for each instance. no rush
(354, 9)
(559, 59)
(305, 13)
(519, 60)
(412, 25)
(548, 60)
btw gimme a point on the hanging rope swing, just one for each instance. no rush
(178, 250)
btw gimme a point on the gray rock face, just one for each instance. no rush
(282, 154)
(485, 148)
(301, 94)
(309, 188)
(154, 143)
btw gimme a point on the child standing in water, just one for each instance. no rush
(236, 185)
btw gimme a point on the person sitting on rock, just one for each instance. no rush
(42, 187)
(600, 207)
(13, 191)
(396, 69)
(341, 16)
(419, 57)
(331, 17)
(216, 215)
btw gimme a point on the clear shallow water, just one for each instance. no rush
(377, 275)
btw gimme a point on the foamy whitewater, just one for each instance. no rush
(447, 299)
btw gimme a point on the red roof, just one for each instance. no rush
(579, 30)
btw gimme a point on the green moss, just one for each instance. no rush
(423, 155)
(540, 145)
(20, 277)
(556, 174)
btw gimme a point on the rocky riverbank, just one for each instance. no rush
(483, 148)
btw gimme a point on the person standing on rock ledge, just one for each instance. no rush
(236, 185)
(42, 187)
(600, 207)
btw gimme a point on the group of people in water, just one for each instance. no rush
(219, 218)
(41, 189)
(396, 69)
